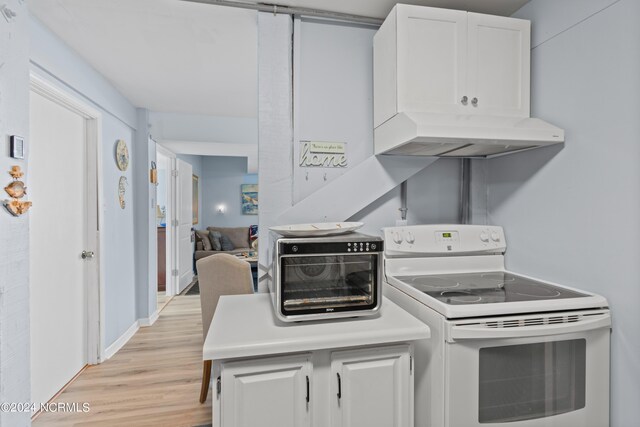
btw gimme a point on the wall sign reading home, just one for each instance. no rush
(323, 154)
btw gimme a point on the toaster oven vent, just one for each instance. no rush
(534, 321)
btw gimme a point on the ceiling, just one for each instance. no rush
(184, 57)
(381, 8)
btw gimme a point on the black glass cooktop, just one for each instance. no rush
(486, 288)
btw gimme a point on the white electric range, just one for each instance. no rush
(506, 349)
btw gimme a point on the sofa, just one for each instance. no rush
(238, 237)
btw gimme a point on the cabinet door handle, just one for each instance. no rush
(307, 388)
(464, 100)
(474, 102)
(218, 386)
(339, 386)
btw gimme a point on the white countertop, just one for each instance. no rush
(245, 326)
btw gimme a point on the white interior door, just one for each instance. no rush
(58, 234)
(185, 222)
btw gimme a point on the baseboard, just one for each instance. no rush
(148, 321)
(181, 289)
(120, 342)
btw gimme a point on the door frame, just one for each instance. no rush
(94, 274)
(172, 285)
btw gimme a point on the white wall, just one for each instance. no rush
(14, 232)
(201, 128)
(333, 89)
(162, 190)
(571, 212)
(333, 99)
(220, 184)
(56, 62)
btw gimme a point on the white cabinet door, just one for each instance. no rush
(270, 392)
(431, 58)
(372, 388)
(498, 65)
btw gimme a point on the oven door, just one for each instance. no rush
(551, 375)
(328, 284)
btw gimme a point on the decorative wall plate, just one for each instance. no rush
(122, 184)
(122, 155)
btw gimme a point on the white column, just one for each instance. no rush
(275, 128)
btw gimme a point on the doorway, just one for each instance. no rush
(174, 223)
(63, 239)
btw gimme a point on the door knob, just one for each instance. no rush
(87, 255)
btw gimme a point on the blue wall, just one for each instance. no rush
(571, 212)
(220, 184)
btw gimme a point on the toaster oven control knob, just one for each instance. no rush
(294, 248)
(373, 246)
(397, 237)
(495, 237)
(484, 236)
(410, 238)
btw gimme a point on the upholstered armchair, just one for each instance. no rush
(220, 274)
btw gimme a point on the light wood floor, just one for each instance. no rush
(162, 299)
(154, 380)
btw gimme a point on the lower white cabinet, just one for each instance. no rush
(266, 392)
(374, 388)
(367, 387)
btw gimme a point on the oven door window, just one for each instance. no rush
(328, 283)
(528, 381)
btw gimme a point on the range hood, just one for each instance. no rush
(454, 135)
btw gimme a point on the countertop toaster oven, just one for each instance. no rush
(315, 278)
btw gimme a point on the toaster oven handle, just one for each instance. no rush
(481, 331)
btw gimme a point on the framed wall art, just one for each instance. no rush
(249, 195)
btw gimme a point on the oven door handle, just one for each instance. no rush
(470, 332)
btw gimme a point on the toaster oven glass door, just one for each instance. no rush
(328, 283)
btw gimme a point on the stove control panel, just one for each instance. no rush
(444, 239)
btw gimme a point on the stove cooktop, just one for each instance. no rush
(486, 288)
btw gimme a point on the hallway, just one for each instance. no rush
(154, 380)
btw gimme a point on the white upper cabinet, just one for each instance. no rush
(449, 61)
(432, 56)
(498, 65)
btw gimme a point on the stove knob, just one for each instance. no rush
(410, 238)
(484, 236)
(397, 237)
(495, 237)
